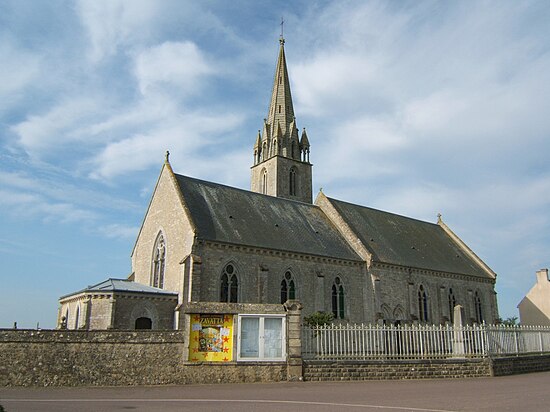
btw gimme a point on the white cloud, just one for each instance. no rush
(41, 134)
(31, 205)
(57, 191)
(119, 231)
(419, 201)
(115, 23)
(171, 64)
(18, 70)
(186, 136)
(336, 78)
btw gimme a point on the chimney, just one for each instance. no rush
(542, 276)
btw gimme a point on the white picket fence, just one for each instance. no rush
(354, 341)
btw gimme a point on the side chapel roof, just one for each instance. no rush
(408, 242)
(121, 285)
(226, 214)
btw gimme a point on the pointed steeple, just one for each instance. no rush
(281, 162)
(281, 109)
(280, 134)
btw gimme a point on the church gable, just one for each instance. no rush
(165, 238)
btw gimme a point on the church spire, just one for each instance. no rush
(281, 161)
(281, 109)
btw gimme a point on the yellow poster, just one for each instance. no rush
(211, 338)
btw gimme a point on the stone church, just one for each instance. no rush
(206, 242)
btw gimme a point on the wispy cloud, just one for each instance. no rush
(51, 131)
(28, 205)
(170, 65)
(116, 23)
(119, 231)
(18, 69)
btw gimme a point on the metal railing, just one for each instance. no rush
(359, 341)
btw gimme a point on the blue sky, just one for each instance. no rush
(413, 107)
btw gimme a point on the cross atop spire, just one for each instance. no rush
(282, 38)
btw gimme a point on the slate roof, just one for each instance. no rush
(226, 214)
(122, 285)
(408, 242)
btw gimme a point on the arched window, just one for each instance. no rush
(76, 318)
(229, 285)
(338, 301)
(452, 304)
(478, 308)
(143, 323)
(263, 183)
(292, 182)
(288, 288)
(65, 322)
(159, 254)
(422, 304)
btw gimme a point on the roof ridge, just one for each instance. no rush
(280, 199)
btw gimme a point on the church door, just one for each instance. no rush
(144, 323)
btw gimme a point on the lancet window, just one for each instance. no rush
(422, 304)
(452, 304)
(288, 288)
(229, 285)
(159, 262)
(263, 183)
(338, 299)
(478, 308)
(292, 182)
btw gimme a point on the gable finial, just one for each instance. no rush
(282, 38)
(167, 157)
(439, 220)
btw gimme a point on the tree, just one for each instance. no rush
(511, 321)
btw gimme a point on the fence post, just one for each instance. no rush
(294, 340)
(458, 332)
(516, 343)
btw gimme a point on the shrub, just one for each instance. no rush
(319, 319)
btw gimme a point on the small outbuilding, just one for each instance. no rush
(118, 304)
(534, 308)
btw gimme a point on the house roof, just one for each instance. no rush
(226, 214)
(403, 241)
(122, 285)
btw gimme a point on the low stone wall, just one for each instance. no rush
(394, 369)
(520, 364)
(114, 358)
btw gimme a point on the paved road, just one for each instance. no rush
(527, 393)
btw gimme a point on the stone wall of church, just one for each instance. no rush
(257, 171)
(103, 311)
(260, 273)
(86, 312)
(303, 180)
(130, 308)
(397, 294)
(165, 215)
(278, 178)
